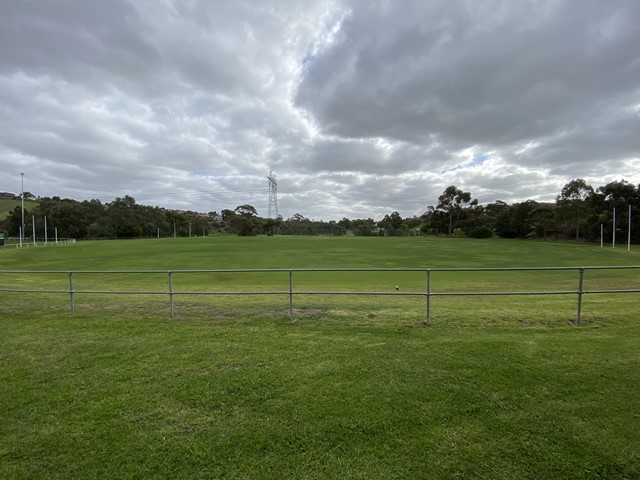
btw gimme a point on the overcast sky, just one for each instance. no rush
(360, 108)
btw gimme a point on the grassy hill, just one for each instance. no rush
(7, 206)
(354, 388)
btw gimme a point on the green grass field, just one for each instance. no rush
(355, 387)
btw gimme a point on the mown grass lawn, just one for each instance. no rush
(231, 389)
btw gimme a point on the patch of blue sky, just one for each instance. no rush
(309, 56)
(477, 161)
(325, 38)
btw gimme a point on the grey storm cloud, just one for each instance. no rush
(494, 74)
(360, 107)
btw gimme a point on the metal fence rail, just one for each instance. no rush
(427, 293)
(18, 242)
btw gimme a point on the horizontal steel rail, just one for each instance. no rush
(368, 269)
(22, 290)
(427, 293)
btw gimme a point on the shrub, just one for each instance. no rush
(481, 232)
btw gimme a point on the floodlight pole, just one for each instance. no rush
(614, 227)
(601, 235)
(22, 235)
(629, 233)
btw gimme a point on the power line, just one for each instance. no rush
(283, 191)
(194, 193)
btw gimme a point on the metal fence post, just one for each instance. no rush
(170, 297)
(290, 295)
(580, 292)
(71, 304)
(428, 321)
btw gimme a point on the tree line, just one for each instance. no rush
(579, 212)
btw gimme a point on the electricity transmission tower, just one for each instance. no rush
(273, 195)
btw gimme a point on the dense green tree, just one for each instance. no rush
(364, 227)
(246, 211)
(574, 204)
(298, 224)
(11, 223)
(492, 212)
(245, 226)
(618, 195)
(246, 221)
(272, 226)
(452, 201)
(393, 225)
(345, 223)
(123, 215)
(69, 218)
(227, 215)
(541, 219)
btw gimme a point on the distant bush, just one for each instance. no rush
(481, 232)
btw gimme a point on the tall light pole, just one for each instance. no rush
(22, 196)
